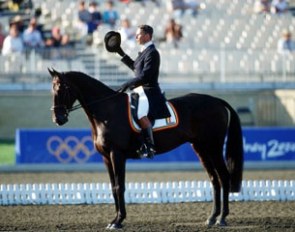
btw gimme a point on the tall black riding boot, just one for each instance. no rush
(148, 148)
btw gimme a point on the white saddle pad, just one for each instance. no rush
(160, 124)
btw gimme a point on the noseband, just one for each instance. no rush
(66, 99)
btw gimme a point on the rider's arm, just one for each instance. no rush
(128, 62)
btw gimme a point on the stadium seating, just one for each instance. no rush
(225, 42)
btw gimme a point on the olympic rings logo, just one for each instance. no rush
(71, 148)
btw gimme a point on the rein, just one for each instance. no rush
(78, 106)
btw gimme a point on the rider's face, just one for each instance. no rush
(142, 37)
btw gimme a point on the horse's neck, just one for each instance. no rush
(102, 108)
(89, 95)
(90, 89)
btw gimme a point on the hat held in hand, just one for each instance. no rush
(112, 41)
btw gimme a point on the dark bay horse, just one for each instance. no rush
(204, 121)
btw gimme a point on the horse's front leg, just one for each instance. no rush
(116, 168)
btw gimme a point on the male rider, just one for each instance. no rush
(145, 83)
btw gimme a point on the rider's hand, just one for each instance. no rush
(123, 88)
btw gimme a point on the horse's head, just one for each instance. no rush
(63, 98)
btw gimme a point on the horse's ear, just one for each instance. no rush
(50, 71)
(53, 72)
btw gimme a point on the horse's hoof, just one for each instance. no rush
(221, 223)
(114, 226)
(210, 222)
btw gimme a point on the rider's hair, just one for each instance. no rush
(147, 29)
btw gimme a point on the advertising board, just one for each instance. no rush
(66, 146)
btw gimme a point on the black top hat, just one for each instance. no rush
(112, 41)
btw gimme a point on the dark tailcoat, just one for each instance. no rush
(146, 67)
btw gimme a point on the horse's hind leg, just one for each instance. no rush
(224, 178)
(206, 160)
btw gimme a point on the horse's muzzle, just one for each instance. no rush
(60, 119)
(59, 114)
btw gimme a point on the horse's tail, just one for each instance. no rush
(234, 151)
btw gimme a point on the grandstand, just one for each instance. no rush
(227, 50)
(225, 43)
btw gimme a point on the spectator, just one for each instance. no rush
(84, 17)
(2, 36)
(57, 39)
(59, 44)
(83, 14)
(13, 42)
(16, 5)
(173, 33)
(279, 6)
(18, 20)
(32, 36)
(96, 17)
(182, 6)
(285, 43)
(261, 6)
(194, 6)
(127, 33)
(110, 15)
(27, 5)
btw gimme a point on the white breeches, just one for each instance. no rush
(143, 102)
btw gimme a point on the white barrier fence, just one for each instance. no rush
(154, 192)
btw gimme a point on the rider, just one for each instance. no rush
(151, 100)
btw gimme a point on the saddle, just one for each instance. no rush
(158, 124)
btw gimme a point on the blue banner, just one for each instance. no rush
(55, 146)
(64, 146)
(268, 144)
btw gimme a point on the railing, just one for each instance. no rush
(33, 61)
(178, 66)
(152, 192)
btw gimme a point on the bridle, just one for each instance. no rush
(66, 98)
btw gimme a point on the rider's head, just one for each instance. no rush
(144, 34)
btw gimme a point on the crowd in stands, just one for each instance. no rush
(16, 5)
(181, 6)
(285, 43)
(273, 6)
(29, 34)
(90, 17)
(25, 35)
(32, 36)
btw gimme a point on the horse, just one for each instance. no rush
(208, 123)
